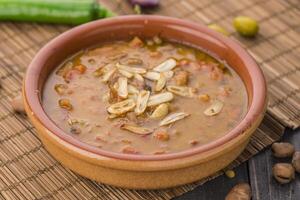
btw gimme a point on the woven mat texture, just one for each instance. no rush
(27, 171)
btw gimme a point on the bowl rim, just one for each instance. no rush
(32, 93)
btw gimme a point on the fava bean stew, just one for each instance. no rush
(145, 97)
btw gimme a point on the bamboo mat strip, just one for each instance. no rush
(27, 171)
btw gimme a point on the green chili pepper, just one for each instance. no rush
(52, 11)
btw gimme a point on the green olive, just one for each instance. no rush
(246, 26)
(218, 28)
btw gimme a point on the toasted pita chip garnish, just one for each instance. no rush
(160, 98)
(167, 65)
(132, 89)
(125, 73)
(135, 70)
(138, 77)
(160, 111)
(153, 76)
(141, 102)
(136, 129)
(121, 107)
(106, 76)
(173, 118)
(181, 90)
(122, 87)
(214, 109)
(161, 82)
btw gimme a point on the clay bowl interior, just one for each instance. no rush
(120, 28)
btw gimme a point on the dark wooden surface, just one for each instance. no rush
(257, 172)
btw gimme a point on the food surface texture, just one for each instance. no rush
(145, 96)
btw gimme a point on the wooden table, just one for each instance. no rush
(257, 172)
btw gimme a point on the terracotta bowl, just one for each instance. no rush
(143, 171)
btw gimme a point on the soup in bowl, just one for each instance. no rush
(144, 96)
(138, 100)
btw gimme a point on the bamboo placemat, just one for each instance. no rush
(27, 171)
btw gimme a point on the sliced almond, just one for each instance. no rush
(173, 118)
(121, 107)
(138, 77)
(167, 65)
(115, 86)
(117, 56)
(141, 102)
(136, 129)
(132, 89)
(131, 69)
(106, 76)
(153, 76)
(112, 116)
(160, 98)
(160, 111)
(132, 61)
(214, 109)
(133, 97)
(168, 74)
(181, 90)
(125, 73)
(161, 82)
(122, 89)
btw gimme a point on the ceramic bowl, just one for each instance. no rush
(143, 171)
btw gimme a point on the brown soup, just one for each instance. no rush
(145, 97)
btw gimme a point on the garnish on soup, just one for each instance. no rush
(145, 97)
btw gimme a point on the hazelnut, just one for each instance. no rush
(17, 104)
(282, 149)
(241, 191)
(283, 172)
